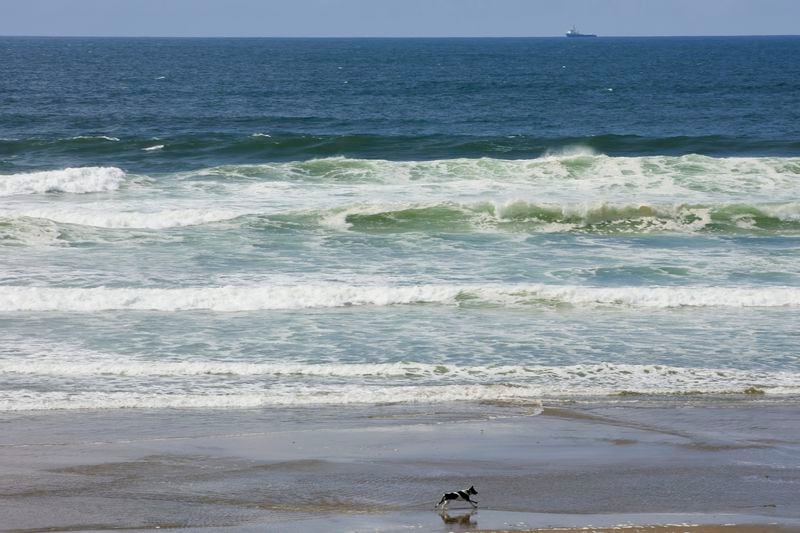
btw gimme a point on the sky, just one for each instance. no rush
(396, 18)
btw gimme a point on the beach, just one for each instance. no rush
(312, 284)
(383, 468)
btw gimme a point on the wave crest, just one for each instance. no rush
(664, 175)
(512, 216)
(71, 180)
(582, 218)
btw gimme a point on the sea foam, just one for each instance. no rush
(666, 177)
(587, 376)
(215, 384)
(355, 394)
(254, 298)
(167, 218)
(72, 180)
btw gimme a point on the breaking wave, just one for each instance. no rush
(512, 216)
(71, 180)
(571, 190)
(574, 168)
(581, 218)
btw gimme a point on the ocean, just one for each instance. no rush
(256, 223)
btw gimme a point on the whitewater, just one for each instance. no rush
(492, 280)
(232, 299)
(577, 190)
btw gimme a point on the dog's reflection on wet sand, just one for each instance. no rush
(465, 519)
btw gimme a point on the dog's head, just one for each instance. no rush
(472, 490)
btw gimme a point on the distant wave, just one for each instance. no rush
(287, 146)
(71, 180)
(253, 298)
(93, 138)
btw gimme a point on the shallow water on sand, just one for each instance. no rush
(382, 468)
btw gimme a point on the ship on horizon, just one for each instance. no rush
(575, 33)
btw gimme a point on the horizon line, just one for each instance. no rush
(556, 36)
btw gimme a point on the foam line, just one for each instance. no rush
(253, 298)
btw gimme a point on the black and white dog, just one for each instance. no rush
(463, 494)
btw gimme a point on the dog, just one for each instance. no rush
(462, 494)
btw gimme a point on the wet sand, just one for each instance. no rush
(728, 465)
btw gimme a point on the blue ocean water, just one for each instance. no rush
(237, 223)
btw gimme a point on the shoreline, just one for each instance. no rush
(701, 464)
